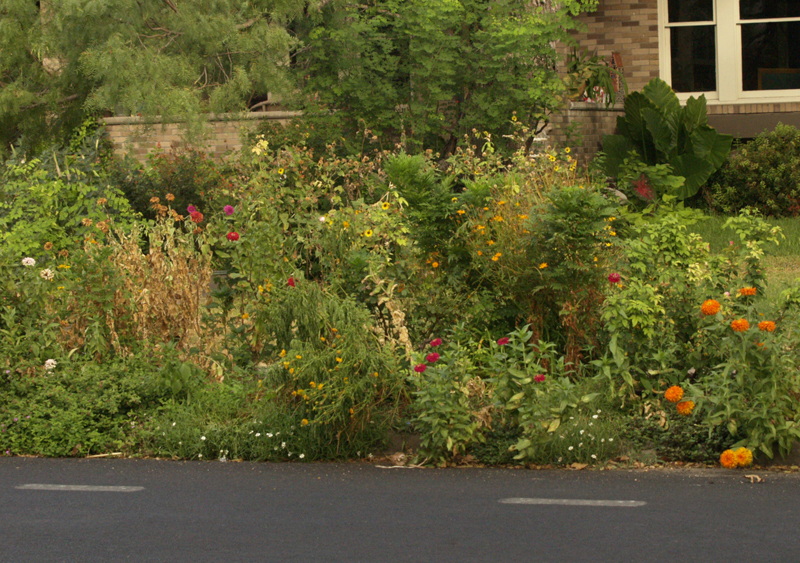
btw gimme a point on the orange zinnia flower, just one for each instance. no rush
(747, 291)
(710, 307)
(728, 459)
(768, 326)
(740, 325)
(685, 407)
(673, 394)
(744, 457)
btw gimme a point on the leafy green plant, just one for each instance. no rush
(763, 173)
(657, 130)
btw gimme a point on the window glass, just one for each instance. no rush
(694, 60)
(691, 11)
(765, 9)
(770, 57)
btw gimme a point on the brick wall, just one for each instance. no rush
(589, 122)
(222, 133)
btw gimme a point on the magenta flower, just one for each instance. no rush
(420, 368)
(191, 209)
(432, 357)
(503, 341)
(614, 278)
(436, 342)
(290, 281)
(228, 209)
(539, 378)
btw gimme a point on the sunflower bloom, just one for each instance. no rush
(740, 325)
(728, 459)
(710, 307)
(744, 457)
(685, 407)
(767, 326)
(673, 394)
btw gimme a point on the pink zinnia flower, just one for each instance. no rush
(503, 341)
(432, 357)
(290, 281)
(420, 368)
(191, 209)
(436, 342)
(539, 378)
(228, 209)
(614, 278)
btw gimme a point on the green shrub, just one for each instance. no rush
(763, 173)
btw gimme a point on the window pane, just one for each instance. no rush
(691, 10)
(770, 57)
(694, 60)
(763, 9)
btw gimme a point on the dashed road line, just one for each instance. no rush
(574, 502)
(84, 488)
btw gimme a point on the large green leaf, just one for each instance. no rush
(616, 148)
(662, 134)
(710, 145)
(662, 96)
(635, 103)
(695, 113)
(695, 171)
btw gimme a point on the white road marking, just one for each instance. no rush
(87, 488)
(574, 502)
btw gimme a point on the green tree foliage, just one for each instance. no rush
(435, 70)
(150, 57)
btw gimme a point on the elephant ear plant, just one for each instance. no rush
(656, 131)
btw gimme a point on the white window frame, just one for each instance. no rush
(729, 61)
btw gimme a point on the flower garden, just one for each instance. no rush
(298, 303)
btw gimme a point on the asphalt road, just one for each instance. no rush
(213, 512)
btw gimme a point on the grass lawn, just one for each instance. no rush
(782, 262)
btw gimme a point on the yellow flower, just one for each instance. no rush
(567, 150)
(312, 384)
(523, 216)
(501, 202)
(673, 394)
(280, 170)
(435, 264)
(513, 118)
(728, 459)
(291, 370)
(245, 316)
(595, 258)
(261, 289)
(345, 224)
(63, 266)
(368, 233)
(455, 199)
(460, 211)
(375, 374)
(322, 338)
(304, 422)
(338, 360)
(480, 253)
(490, 242)
(685, 407)
(286, 365)
(299, 357)
(543, 265)
(556, 168)
(283, 353)
(744, 457)
(613, 233)
(552, 158)
(496, 257)
(385, 205)
(498, 218)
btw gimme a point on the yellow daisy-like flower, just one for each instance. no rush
(291, 370)
(455, 199)
(345, 224)
(552, 158)
(685, 407)
(246, 316)
(496, 257)
(543, 265)
(282, 354)
(490, 242)
(744, 457)
(312, 384)
(480, 253)
(673, 394)
(567, 150)
(728, 459)
(280, 171)
(338, 360)
(322, 338)
(435, 265)
(299, 357)
(556, 169)
(460, 211)
(513, 118)
(261, 289)
(501, 202)
(304, 422)
(385, 205)
(368, 233)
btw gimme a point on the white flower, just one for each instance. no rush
(173, 424)
(46, 274)
(603, 440)
(594, 416)
(251, 432)
(283, 445)
(28, 261)
(200, 456)
(580, 444)
(591, 424)
(594, 456)
(611, 439)
(322, 219)
(302, 456)
(258, 434)
(203, 438)
(582, 431)
(570, 448)
(599, 411)
(50, 365)
(269, 434)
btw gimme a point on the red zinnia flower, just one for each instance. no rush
(539, 378)
(614, 278)
(503, 341)
(197, 217)
(436, 342)
(420, 368)
(291, 281)
(432, 357)
(233, 236)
